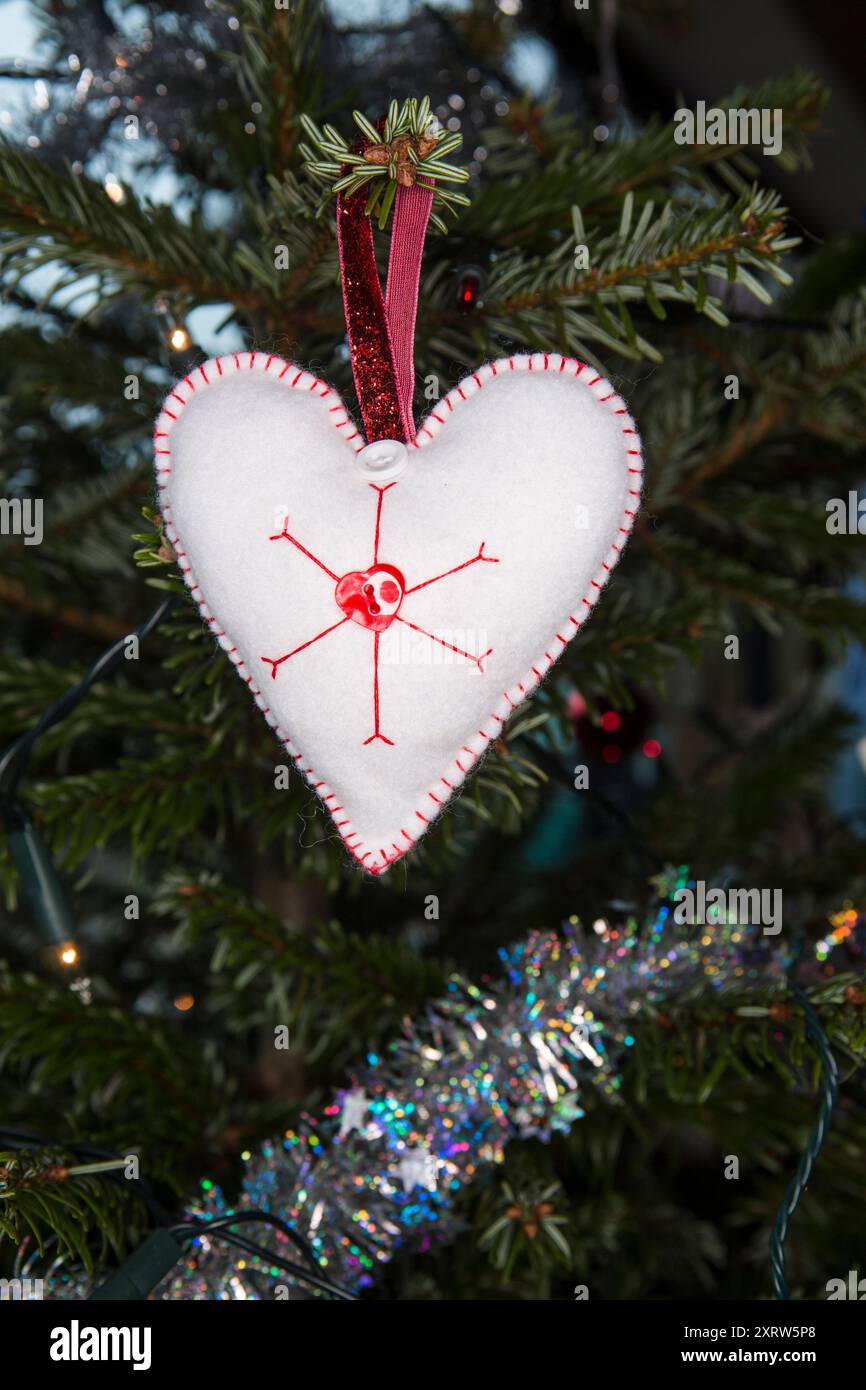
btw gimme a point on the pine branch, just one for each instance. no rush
(101, 628)
(131, 1083)
(754, 804)
(559, 164)
(673, 256)
(51, 219)
(276, 66)
(821, 611)
(690, 1044)
(86, 1218)
(337, 991)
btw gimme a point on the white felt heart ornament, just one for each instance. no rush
(387, 629)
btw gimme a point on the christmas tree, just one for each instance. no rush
(201, 990)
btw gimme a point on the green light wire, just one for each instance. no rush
(799, 1182)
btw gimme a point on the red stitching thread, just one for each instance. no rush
(284, 536)
(381, 491)
(278, 661)
(486, 559)
(442, 643)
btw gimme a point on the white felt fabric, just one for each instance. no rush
(536, 457)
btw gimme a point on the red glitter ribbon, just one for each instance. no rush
(382, 331)
(370, 343)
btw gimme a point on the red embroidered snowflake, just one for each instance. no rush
(373, 597)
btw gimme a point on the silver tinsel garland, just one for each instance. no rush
(382, 1165)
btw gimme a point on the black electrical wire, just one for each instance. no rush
(260, 1217)
(298, 1272)
(14, 761)
(256, 1216)
(163, 1249)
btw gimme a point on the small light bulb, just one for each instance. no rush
(184, 1002)
(114, 188)
(179, 339)
(67, 953)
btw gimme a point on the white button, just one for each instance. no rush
(385, 458)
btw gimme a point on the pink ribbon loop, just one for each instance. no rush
(411, 216)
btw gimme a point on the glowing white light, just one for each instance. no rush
(114, 188)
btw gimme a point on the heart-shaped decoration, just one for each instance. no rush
(388, 629)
